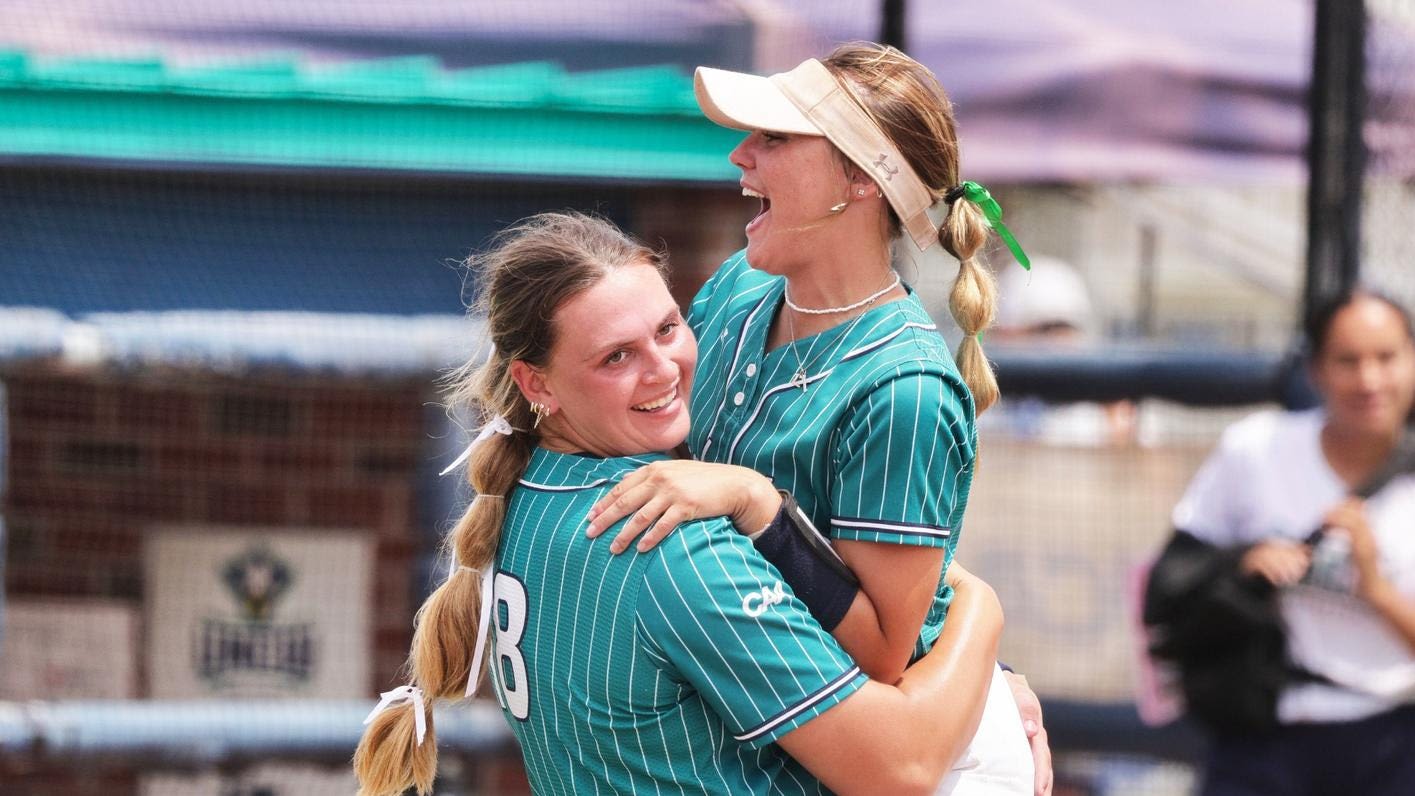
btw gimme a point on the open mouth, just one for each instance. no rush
(765, 204)
(658, 403)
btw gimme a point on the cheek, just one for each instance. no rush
(1405, 381)
(594, 394)
(688, 353)
(685, 355)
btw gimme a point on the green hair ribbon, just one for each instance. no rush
(992, 211)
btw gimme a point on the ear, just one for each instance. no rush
(532, 383)
(862, 186)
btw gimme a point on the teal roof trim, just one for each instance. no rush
(402, 114)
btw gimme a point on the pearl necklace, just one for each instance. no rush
(870, 299)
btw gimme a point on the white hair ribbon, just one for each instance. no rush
(483, 627)
(498, 424)
(455, 567)
(411, 693)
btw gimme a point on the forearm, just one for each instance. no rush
(958, 669)
(939, 700)
(905, 738)
(862, 635)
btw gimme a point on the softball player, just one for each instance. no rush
(820, 370)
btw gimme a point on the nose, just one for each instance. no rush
(741, 154)
(1369, 374)
(663, 369)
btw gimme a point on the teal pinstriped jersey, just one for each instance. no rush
(880, 445)
(664, 672)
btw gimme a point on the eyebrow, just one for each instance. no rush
(604, 349)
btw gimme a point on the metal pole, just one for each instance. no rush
(1149, 246)
(1336, 153)
(891, 24)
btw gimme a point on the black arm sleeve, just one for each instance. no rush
(807, 561)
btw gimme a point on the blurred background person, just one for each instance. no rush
(1345, 717)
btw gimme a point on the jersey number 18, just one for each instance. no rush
(515, 694)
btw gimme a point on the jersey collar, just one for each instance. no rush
(549, 471)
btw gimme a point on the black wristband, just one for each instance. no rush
(808, 563)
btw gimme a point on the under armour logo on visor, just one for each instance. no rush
(883, 165)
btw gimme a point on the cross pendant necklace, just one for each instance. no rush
(799, 378)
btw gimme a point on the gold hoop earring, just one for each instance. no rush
(540, 411)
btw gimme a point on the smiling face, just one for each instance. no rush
(798, 179)
(1365, 369)
(619, 374)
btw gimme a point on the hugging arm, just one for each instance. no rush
(789, 682)
(661, 495)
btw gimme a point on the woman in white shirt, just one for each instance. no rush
(1349, 601)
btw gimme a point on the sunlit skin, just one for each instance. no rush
(799, 178)
(618, 377)
(829, 259)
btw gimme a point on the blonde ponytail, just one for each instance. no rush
(973, 300)
(907, 102)
(532, 269)
(389, 759)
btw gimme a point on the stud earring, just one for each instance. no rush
(860, 192)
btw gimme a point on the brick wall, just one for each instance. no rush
(699, 228)
(97, 458)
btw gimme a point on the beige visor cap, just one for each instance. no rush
(748, 102)
(809, 100)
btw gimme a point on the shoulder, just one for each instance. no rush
(1252, 469)
(705, 551)
(734, 282)
(1266, 432)
(901, 340)
(903, 364)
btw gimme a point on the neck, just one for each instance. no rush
(843, 265)
(554, 439)
(1355, 454)
(801, 324)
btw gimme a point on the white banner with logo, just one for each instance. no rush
(240, 612)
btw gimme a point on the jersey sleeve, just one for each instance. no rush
(903, 463)
(721, 618)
